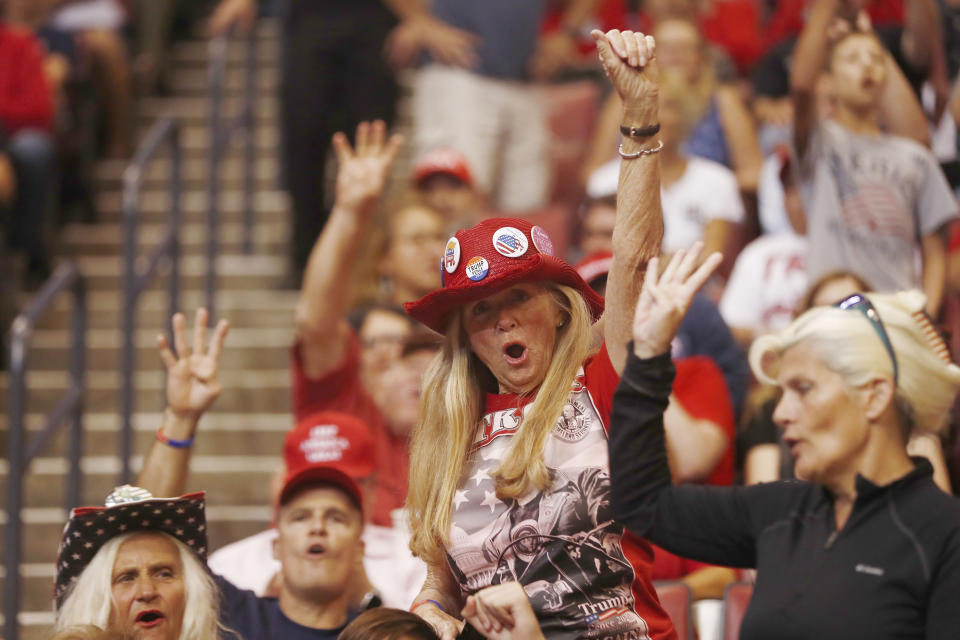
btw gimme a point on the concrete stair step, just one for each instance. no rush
(269, 238)
(197, 108)
(196, 81)
(154, 206)
(228, 434)
(234, 272)
(258, 391)
(265, 308)
(108, 174)
(196, 53)
(245, 348)
(195, 138)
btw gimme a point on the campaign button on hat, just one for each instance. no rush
(477, 268)
(510, 242)
(541, 240)
(451, 255)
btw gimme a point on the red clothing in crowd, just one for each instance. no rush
(342, 390)
(701, 390)
(25, 97)
(791, 16)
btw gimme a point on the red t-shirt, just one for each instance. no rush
(25, 96)
(342, 390)
(701, 390)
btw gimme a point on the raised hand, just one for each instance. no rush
(503, 612)
(230, 14)
(664, 299)
(629, 60)
(192, 383)
(363, 170)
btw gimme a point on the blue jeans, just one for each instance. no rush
(33, 156)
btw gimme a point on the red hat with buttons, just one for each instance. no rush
(443, 161)
(490, 257)
(328, 447)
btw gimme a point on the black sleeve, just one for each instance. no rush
(943, 614)
(718, 525)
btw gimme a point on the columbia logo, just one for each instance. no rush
(865, 568)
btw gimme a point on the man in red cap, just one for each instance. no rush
(443, 179)
(322, 446)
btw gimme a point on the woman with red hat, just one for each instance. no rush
(509, 477)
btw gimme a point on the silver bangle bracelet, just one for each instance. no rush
(642, 152)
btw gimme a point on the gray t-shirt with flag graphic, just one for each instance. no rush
(869, 201)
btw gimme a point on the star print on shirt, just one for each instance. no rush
(490, 500)
(480, 476)
(459, 498)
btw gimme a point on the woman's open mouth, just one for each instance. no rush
(515, 353)
(315, 550)
(150, 618)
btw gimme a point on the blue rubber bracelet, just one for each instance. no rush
(170, 442)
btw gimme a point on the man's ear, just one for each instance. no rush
(880, 392)
(276, 548)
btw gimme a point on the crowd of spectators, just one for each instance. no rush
(811, 142)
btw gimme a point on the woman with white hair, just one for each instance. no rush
(868, 546)
(136, 568)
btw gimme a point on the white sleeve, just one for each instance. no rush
(740, 305)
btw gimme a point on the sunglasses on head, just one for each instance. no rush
(861, 303)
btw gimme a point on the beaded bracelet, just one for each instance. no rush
(170, 442)
(642, 152)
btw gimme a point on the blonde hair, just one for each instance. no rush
(88, 632)
(846, 342)
(90, 599)
(451, 406)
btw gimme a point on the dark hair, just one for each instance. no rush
(806, 302)
(388, 624)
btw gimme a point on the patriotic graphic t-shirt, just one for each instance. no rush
(869, 200)
(561, 544)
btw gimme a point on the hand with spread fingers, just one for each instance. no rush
(665, 298)
(363, 170)
(629, 60)
(503, 612)
(192, 384)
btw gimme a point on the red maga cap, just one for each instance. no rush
(490, 257)
(328, 447)
(445, 161)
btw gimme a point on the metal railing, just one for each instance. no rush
(20, 451)
(221, 136)
(138, 272)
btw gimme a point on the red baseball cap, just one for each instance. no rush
(445, 161)
(328, 447)
(490, 257)
(595, 265)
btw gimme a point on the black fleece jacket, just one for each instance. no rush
(893, 571)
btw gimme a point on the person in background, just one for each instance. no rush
(388, 575)
(27, 160)
(479, 97)
(326, 360)
(873, 197)
(443, 181)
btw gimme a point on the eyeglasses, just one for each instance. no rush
(862, 304)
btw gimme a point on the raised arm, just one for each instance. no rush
(327, 280)
(192, 386)
(809, 57)
(629, 60)
(439, 599)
